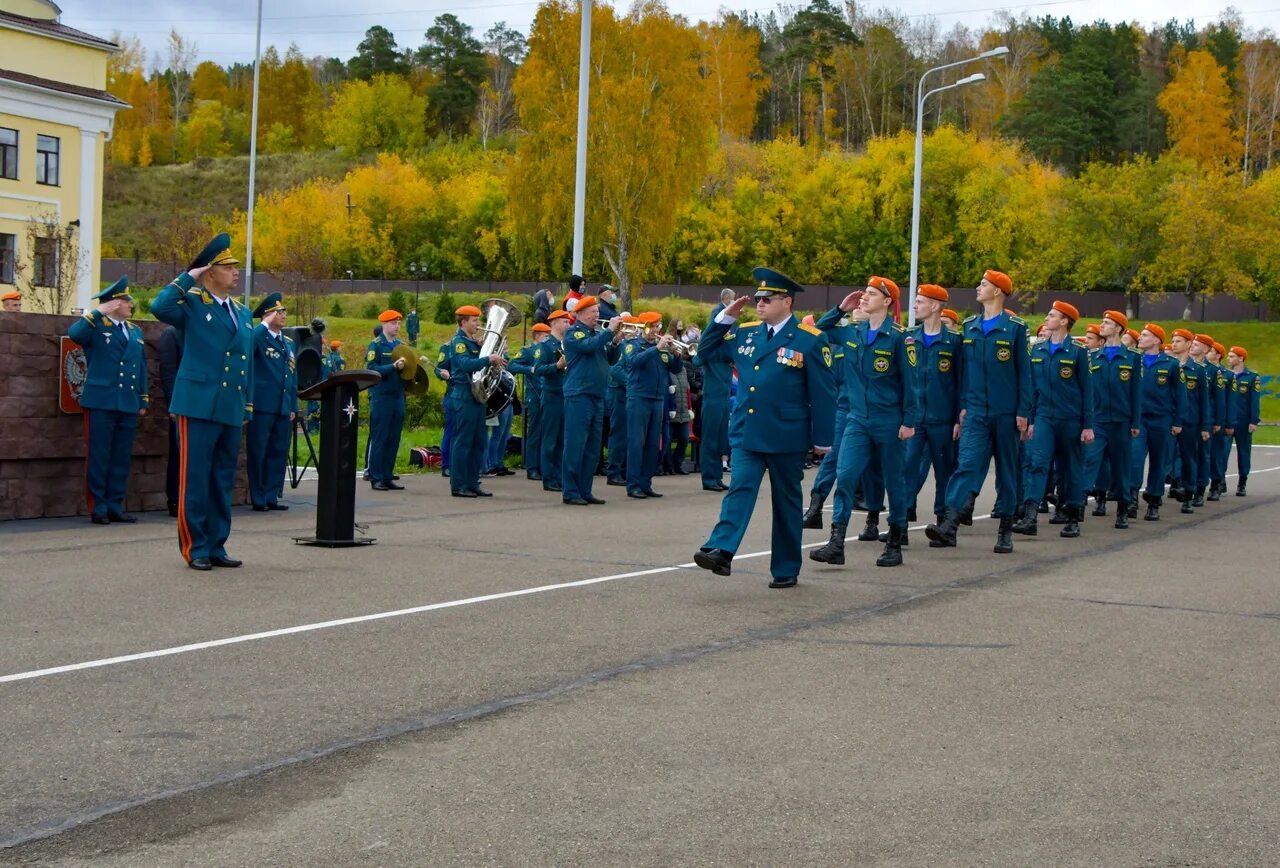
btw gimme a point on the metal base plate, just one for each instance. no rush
(333, 543)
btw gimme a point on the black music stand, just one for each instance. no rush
(339, 397)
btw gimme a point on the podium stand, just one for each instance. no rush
(339, 426)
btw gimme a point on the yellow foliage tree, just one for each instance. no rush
(732, 74)
(1197, 102)
(383, 114)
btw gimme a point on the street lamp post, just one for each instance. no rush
(921, 96)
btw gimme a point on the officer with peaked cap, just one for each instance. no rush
(786, 404)
(212, 397)
(114, 396)
(275, 403)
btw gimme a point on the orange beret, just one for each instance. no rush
(390, 316)
(1116, 317)
(585, 302)
(557, 314)
(649, 317)
(1185, 334)
(950, 314)
(333, 345)
(885, 285)
(541, 327)
(1219, 349)
(933, 291)
(1166, 347)
(1093, 329)
(1207, 340)
(1158, 331)
(1239, 351)
(1068, 310)
(11, 296)
(467, 310)
(1133, 333)
(1000, 279)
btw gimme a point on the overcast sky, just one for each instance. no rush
(224, 31)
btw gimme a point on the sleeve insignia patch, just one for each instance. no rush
(826, 355)
(911, 353)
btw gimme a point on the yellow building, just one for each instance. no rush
(55, 119)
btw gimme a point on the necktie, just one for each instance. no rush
(226, 305)
(124, 330)
(770, 331)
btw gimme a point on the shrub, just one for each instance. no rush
(445, 308)
(335, 309)
(397, 300)
(370, 310)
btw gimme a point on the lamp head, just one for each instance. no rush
(999, 51)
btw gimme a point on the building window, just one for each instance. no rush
(45, 262)
(8, 153)
(8, 251)
(47, 160)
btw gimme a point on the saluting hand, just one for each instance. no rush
(738, 305)
(197, 273)
(852, 300)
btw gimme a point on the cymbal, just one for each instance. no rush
(410, 356)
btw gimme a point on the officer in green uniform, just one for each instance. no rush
(1197, 418)
(1117, 386)
(1062, 420)
(940, 369)
(650, 363)
(550, 369)
(995, 400)
(1245, 413)
(275, 402)
(386, 403)
(524, 363)
(114, 396)
(462, 358)
(786, 403)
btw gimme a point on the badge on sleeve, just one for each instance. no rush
(579, 335)
(631, 348)
(459, 347)
(826, 355)
(911, 353)
(371, 356)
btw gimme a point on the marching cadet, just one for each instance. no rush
(785, 405)
(386, 403)
(1220, 443)
(275, 403)
(1207, 480)
(1117, 389)
(1061, 422)
(1162, 398)
(1130, 338)
(940, 351)
(1197, 418)
(11, 302)
(550, 368)
(950, 319)
(615, 470)
(114, 396)
(211, 398)
(995, 400)
(650, 362)
(884, 410)
(1246, 413)
(589, 353)
(1093, 337)
(524, 363)
(462, 359)
(825, 479)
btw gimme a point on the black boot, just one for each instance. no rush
(966, 514)
(1059, 515)
(1027, 524)
(943, 533)
(1240, 486)
(1132, 505)
(1043, 508)
(1153, 507)
(871, 533)
(892, 554)
(833, 551)
(1071, 529)
(1198, 500)
(1101, 508)
(1213, 491)
(884, 537)
(1186, 507)
(1004, 536)
(813, 515)
(1122, 515)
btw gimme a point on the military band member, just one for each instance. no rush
(551, 370)
(462, 358)
(275, 402)
(1162, 398)
(995, 400)
(785, 405)
(589, 354)
(114, 396)
(1062, 420)
(615, 470)
(650, 361)
(386, 403)
(1197, 418)
(212, 398)
(1246, 413)
(880, 361)
(940, 369)
(524, 363)
(1117, 389)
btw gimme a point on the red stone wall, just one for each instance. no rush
(42, 449)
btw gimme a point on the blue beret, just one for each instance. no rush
(119, 289)
(772, 282)
(273, 302)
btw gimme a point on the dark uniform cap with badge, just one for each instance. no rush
(119, 289)
(270, 304)
(216, 252)
(773, 283)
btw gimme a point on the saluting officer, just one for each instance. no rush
(114, 396)
(880, 360)
(995, 401)
(650, 363)
(1062, 420)
(212, 398)
(1246, 413)
(523, 363)
(785, 405)
(589, 353)
(1162, 398)
(462, 358)
(275, 402)
(386, 403)
(941, 365)
(1197, 418)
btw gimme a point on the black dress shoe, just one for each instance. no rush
(617, 481)
(201, 564)
(637, 494)
(278, 507)
(394, 486)
(394, 477)
(121, 518)
(99, 519)
(783, 583)
(649, 492)
(716, 560)
(258, 507)
(480, 492)
(224, 561)
(594, 501)
(380, 486)
(714, 486)
(464, 494)
(575, 501)
(552, 486)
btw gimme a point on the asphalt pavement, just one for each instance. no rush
(512, 681)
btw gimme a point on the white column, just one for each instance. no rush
(85, 287)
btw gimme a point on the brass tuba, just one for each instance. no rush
(501, 315)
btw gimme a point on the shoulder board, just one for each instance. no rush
(971, 318)
(287, 339)
(194, 291)
(747, 325)
(810, 329)
(1019, 320)
(898, 327)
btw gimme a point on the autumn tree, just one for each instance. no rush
(1197, 103)
(457, 59)
(504, 49)
(378, 115)
(732, 74)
